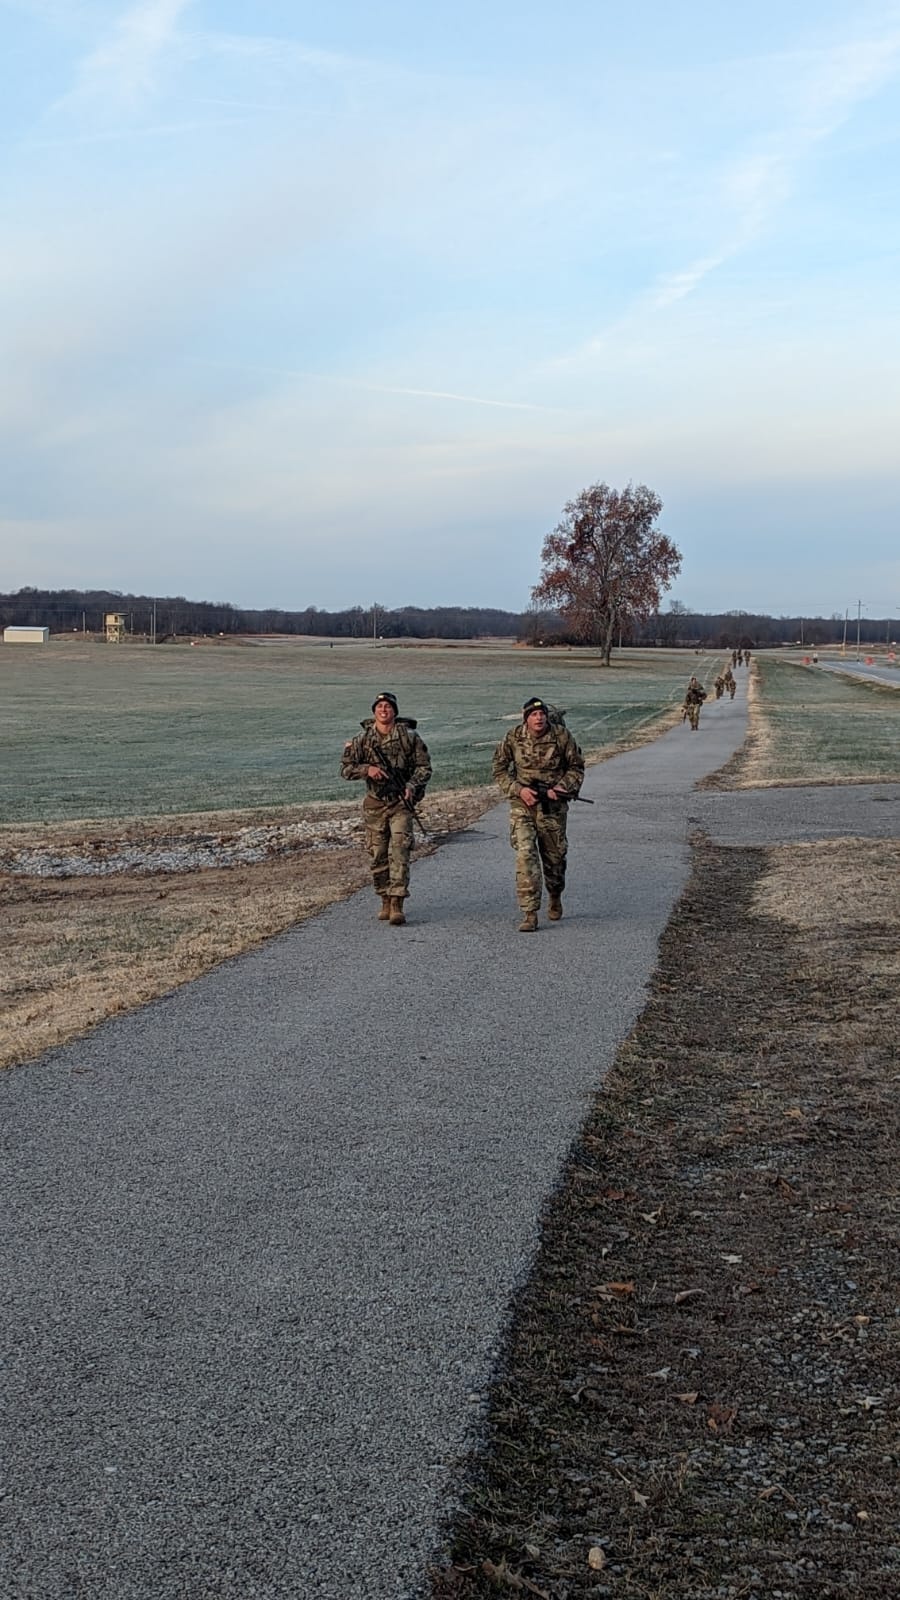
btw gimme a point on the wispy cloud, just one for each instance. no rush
(828, 86)
(122, 73)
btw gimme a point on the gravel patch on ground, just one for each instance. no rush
(699, 1391)
(180, 852)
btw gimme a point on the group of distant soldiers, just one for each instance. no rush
(724, 682)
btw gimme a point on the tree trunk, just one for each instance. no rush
(609, 627)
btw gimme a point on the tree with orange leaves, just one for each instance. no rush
(606, 562)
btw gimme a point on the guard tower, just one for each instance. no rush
(115, 627)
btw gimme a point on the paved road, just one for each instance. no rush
(260, 1237)
(878, 672)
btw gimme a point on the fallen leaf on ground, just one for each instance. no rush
(502, 1575)
(619, 1289)
(690, 1398)
(720, 1418)
(687, 1294)
(596, 1558)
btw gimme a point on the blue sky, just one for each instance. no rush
(323, 305)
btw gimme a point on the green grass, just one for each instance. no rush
(92, 730)
(824, 727)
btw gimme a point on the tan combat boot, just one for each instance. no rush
(396, 917)
(385, 911)
(554, 909)
(529, 922)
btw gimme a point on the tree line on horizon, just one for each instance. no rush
(76, 611)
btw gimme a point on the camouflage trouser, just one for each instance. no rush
(389, 841)
(731, 688)
(539, 840)
(692, 712)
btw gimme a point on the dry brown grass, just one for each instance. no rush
(76, 950)
(699, 1392)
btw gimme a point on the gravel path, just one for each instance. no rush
(260, 1237)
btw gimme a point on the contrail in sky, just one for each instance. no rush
(384, 388)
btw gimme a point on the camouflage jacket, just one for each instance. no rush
(552, 758)
(694, 695)
(402, 752)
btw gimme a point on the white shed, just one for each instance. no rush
(13, 635)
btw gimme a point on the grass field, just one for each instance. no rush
(92, 730)
(809, 726)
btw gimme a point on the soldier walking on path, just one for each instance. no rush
(730, 681)
(395, 764)
(694, 696)
(539, 767)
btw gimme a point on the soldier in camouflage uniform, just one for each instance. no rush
(538, 751)
(395, 764)
(694, 696)
(719, 686)
(730, 682)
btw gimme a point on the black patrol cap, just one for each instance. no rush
(535, 704)
(390, 698)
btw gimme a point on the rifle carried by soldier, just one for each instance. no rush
(395, 789)
(542, 790)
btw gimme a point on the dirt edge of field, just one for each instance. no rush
(699, 1390)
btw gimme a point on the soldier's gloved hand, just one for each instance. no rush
(528, 797)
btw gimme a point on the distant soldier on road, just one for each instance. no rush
(540, 769)
(730, 682)
(694, 696)
(747, 658)
(396, 766)
(719, 686)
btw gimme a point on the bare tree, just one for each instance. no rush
(606, 562)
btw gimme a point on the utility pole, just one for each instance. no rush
(844, 641)
(858, 618)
